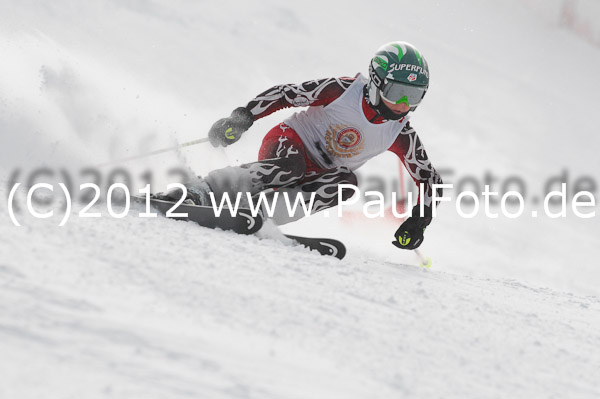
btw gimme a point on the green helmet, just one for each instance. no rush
(398, 73)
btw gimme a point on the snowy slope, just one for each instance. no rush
(155, 308)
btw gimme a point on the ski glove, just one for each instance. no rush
(227, 131)
(410, 234)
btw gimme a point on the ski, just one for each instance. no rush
(325, 246)
(242, 223)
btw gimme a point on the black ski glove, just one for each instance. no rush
(410, 234)
(227, 131)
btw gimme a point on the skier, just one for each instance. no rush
(348, 122)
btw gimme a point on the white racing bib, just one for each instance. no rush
(339, 134)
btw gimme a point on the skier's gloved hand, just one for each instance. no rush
(227, 131)
(410, 233)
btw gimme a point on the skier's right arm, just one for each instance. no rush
(319, 92)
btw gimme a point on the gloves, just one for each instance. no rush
(410, 233)
(227, 131)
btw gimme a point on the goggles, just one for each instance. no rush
(397, 93)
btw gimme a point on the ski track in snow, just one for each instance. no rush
(156, 309)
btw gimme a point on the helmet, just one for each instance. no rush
(398, 73)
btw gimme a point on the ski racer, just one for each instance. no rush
(348, 122)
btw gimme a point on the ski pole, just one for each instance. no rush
(425, 261)
(176, 147)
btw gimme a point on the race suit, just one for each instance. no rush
(317, 149)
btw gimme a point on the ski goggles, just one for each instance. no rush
(397, 93)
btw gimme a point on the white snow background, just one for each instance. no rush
(154, 308)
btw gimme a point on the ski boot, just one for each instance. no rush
(197, 193)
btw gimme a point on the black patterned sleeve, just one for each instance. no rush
(412, 154)
(311, 93)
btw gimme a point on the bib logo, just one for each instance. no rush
(412, 77)
(343, 141)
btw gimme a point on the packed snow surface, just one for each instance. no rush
(155, 309)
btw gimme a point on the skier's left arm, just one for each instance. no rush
(409, 148)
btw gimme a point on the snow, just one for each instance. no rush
(156, 308)
(146, 313)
